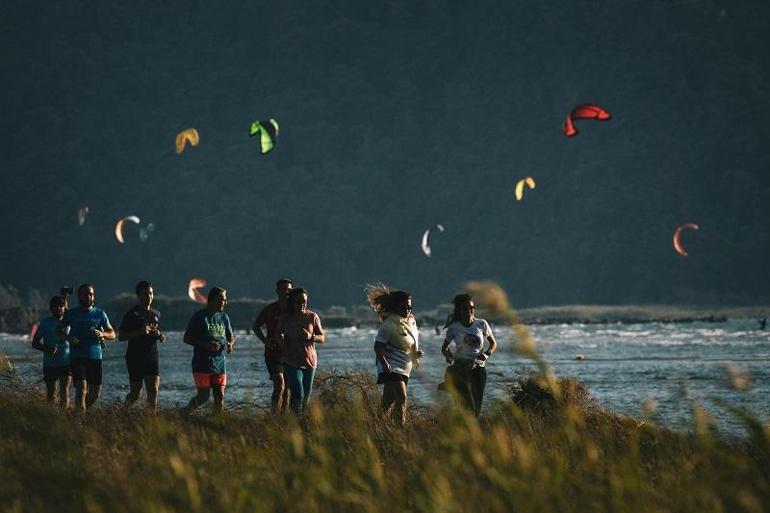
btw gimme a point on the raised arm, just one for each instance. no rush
(62, 334)
(256, 327)
(106, 333)
(318, 335)
(492, 345)
(36, 343)
(380, 351)
(445, 350)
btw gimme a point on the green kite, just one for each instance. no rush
(268, 134)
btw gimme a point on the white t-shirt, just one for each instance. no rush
(400, 337)
(469, 340)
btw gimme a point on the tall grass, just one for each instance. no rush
(549, 448)
(532, 453)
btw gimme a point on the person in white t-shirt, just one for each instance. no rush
(396, 347)
(466, 377)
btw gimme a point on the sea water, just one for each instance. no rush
(678, 366)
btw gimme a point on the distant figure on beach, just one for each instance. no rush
(56, 353)
(298, 331)
(141, 328)
(466, 377)
(211, 334)
(762, 323)
(268, 317)
(88, 327)
(396, 347)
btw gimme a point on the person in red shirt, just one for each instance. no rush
(268, 317)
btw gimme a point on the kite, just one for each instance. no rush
(193, 292)
(186, 136)
(144, 233)
(119, 226)
(585, 111)
(677, 243)
(82, 213)
(529, 182)
(268, 134)
(33, 330)
(424, 244)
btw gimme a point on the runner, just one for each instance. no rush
(141, 328)
(298, 331)
(396, 347)
(89, 327)
(211, 334)
(466, 377)
(56, 353)
(268, 317)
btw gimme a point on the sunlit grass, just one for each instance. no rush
(549, 448)
(533, 453)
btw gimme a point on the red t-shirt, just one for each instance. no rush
(299, 350)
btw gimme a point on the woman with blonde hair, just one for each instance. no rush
(396, 346)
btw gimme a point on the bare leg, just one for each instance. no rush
(133, 394)
(199, 399)
(279, 391)
(219, 397)
(399, 409)
(64, 392)
(50, 391)
(94, 391)
(388, 398)
(152, 384)
(80, 396)
(285, 399)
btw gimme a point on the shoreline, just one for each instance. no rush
(177, 311)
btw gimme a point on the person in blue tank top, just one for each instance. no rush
(56, 353)
(88, 327)
(211, 335)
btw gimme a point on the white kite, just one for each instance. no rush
(424, 245)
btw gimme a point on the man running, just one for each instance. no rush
(140, 327)
(211, 334)
(268, 317)
(56, 353)
(89, 328)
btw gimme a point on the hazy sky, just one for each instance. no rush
(394, 116)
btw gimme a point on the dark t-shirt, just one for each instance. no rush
(268, 317)
(136, 319)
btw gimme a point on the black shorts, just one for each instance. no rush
(86, 369)
(54, 373)
(142, 364)
(391, 377)
(274, 366)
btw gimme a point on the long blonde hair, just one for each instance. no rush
(384, 299)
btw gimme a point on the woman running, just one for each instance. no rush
(466, 377)
(298, 331)
(396, 346)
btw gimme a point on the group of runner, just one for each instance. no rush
(72, 341)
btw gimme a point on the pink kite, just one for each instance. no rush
(193, 292)
(33, 330)
(584, 111)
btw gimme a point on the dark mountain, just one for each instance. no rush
(394, 116)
